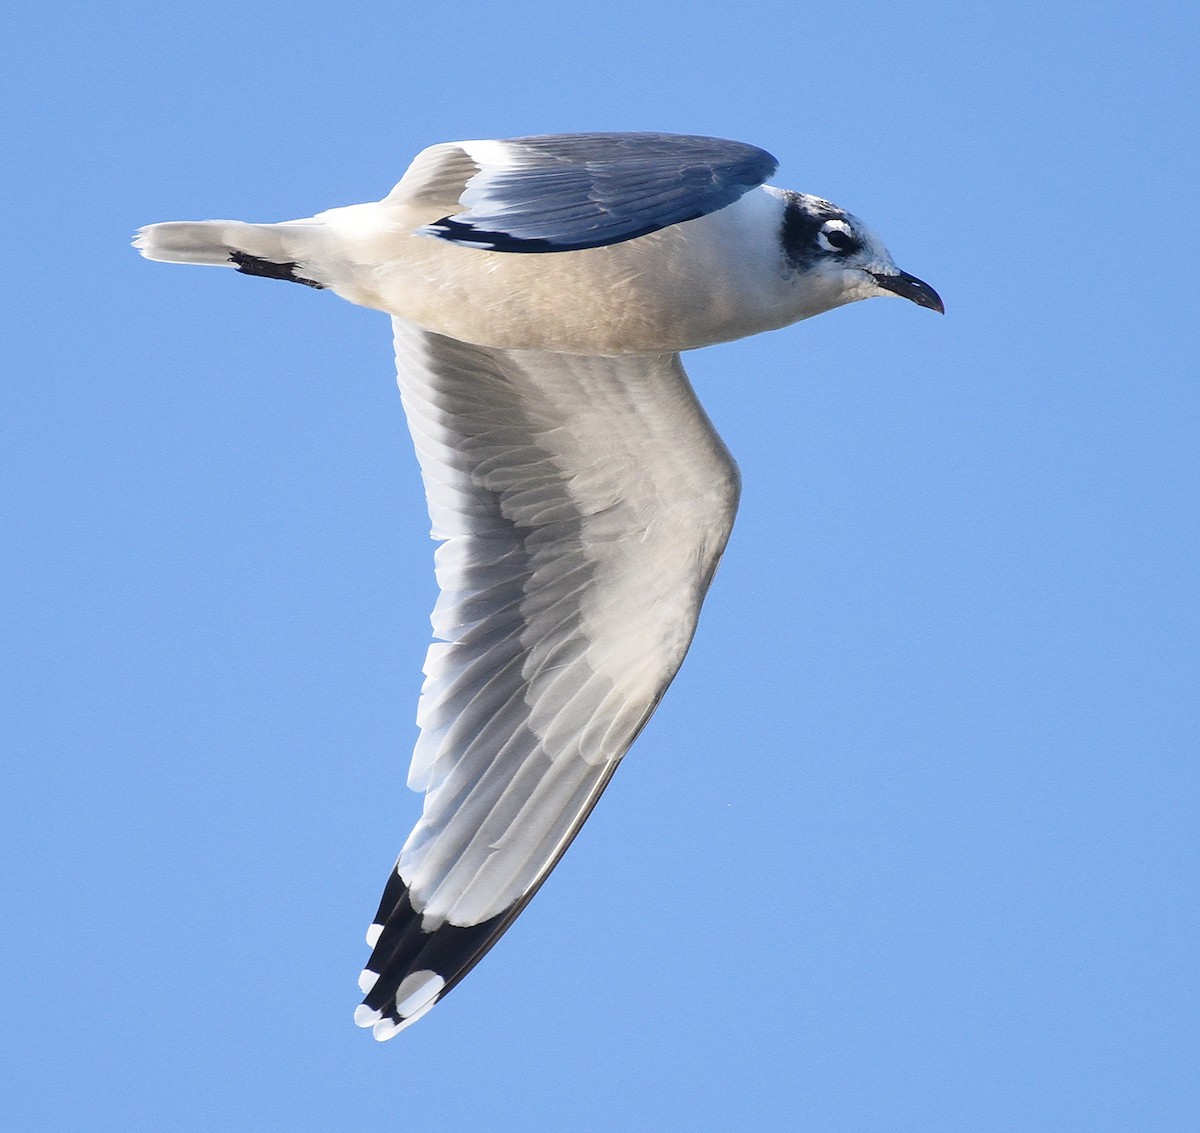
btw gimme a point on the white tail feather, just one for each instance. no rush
(216, 241)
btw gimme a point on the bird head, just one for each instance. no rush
(839, 260)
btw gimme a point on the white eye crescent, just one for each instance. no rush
(837, 237)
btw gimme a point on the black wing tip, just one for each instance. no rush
(418, 993)
(256, 265)
(468, 235)
(412, 969)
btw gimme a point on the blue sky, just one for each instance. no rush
(907, 846)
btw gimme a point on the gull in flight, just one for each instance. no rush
(541, 290)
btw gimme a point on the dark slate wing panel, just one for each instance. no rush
(565, 192)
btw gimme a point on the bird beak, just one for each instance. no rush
(910, 287)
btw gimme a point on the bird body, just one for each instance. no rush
(712, 280)
(541, 290)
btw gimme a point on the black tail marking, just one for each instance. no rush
(253, 265)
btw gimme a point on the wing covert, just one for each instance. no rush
(564, 192)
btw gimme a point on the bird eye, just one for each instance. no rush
(836, 237)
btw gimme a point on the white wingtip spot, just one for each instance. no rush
(373, 935)
(415, 992)
(418, 1014)
(385, 1029)
(365, 1016)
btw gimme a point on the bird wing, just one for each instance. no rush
(583, 504)
(563, 192)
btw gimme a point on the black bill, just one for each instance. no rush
(910, 287)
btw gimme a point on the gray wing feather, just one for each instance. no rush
(565, 192)
(583, 504)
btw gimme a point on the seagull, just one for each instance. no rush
(541, 290)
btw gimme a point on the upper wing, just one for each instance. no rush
(584, 503)
(563, 192)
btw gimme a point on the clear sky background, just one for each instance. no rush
(909, 845)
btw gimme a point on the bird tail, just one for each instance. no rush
(279, 251)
